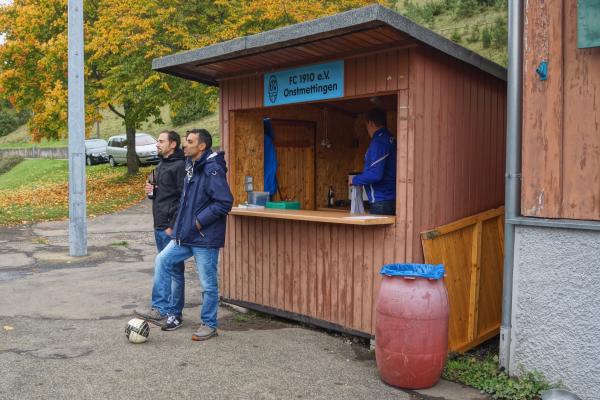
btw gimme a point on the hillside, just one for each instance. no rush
(479, 25)
(109, 126)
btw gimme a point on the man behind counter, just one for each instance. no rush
(379, 172)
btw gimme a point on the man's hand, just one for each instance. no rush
(198, 226)
(148, 188)
(169, 231)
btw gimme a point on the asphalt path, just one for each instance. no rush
(62, 322)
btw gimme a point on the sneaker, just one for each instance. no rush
(153, 316)
(173, 322)
(204, 333)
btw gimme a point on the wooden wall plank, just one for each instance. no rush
(445, 143)
(312, 270)
(542, 110)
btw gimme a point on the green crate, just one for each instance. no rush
(287, 205)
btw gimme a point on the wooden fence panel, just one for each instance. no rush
(472, 252)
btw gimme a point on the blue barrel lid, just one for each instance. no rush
(427, 271)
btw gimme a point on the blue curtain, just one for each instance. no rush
(270, 161)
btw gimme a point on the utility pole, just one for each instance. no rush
(77, 190)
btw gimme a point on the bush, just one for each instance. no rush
(425, 13)
(199, 102)
(499, 33)
(10, 119)
(465, 8)
(6, 164)
(486, 38)
(475, 35)
(456, 36)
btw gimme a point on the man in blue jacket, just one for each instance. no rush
(379, 172)
(199, 229)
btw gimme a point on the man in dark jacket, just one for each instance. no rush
(379, 173)
(199, 229)
(168, 289)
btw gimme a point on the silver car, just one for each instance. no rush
(145, 148)
(95, 151)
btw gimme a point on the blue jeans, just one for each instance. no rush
(206, 265)
(385, 207)
(168, 290)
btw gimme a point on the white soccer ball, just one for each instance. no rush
(137, 330)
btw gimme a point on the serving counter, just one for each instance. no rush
(333, 217)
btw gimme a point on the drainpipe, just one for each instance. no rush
(513, 168)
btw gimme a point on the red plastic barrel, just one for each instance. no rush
(411, 331)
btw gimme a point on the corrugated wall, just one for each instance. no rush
(561, 116)
(458, 118)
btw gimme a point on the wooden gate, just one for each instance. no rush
(472, 251)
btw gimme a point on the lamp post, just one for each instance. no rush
(76, 124)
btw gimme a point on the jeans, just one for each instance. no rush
(206, 264)
(168, 290)
(385, 207)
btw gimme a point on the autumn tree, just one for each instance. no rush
(124, 40)
(121, 39)
(33, 64)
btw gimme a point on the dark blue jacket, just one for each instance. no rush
(206, 198)
(379, 173)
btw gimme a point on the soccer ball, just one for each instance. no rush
(137, 330)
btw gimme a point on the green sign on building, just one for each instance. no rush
(588, 23)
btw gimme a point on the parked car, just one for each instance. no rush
(95, 151)
(145, 148)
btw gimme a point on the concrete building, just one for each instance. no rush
(555, 308)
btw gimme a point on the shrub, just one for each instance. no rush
(499, 33)
(425, 13)
(11, 119)
(8, 163)
(465, 8)
(199, 102)
(484, 374)
(486, 38)
(456, 36)
(475, 35)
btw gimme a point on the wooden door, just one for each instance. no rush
(295, 149)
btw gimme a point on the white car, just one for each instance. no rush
(145, 148)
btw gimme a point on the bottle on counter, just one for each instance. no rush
(330, 197)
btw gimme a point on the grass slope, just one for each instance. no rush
(111, 125)
(37, 190)
(465, 30)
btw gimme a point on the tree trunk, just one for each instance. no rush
(133, 164)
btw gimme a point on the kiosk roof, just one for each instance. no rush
(364, 29)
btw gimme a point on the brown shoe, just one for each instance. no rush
(204, 333)
(152, 315)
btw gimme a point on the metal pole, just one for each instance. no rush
(77, 206)
(513, 169)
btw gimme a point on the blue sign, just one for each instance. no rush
(310, 83)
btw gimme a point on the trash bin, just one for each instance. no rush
(411, 326)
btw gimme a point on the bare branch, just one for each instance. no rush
(113, 109)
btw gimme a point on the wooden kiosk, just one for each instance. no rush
(445, 105)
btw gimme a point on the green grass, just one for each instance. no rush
(111, 125)
(37, 190)
(32, 172)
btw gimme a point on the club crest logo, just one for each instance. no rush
(273, 88)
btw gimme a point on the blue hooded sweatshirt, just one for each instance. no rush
(206, 198)
(379, 173)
